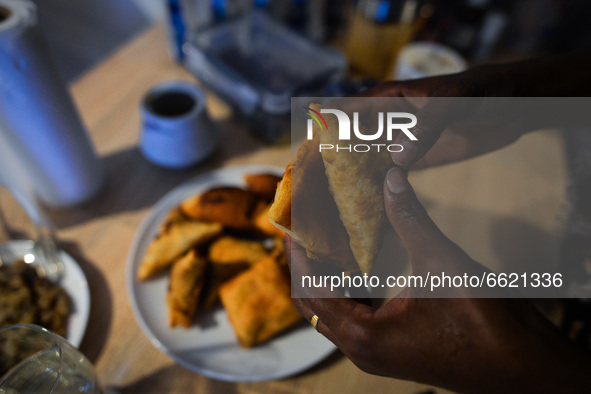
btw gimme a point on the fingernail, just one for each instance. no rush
(396, 180)
(406, 156)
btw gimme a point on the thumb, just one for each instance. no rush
(426, 132)
(422, 239)
(436, 114)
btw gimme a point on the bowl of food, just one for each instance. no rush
(209, 284)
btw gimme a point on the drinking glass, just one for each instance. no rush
(35, 360)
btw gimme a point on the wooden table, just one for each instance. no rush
(501, 208)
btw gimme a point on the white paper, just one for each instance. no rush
(39, 120)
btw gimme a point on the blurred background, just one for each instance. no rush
(369, 32)
(256, 55)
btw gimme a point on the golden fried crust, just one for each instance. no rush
(262, 184)
(230, 250)
(258, 303)
(177, 240)
(280, 211)
(186, 282)
(228, 257)
(231, 206)
(261, 221)
(217, 274)
(305, 209)
(174, 216)
(356, 183)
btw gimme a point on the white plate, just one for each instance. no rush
(75, 284)
(209, 347)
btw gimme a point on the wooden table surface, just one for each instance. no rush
(501, 208)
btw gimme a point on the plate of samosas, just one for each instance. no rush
(209, 284)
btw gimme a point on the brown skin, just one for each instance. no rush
(438, 143)
(467, 344)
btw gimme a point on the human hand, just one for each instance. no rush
(450, 130)
(564, 75)
(465, 344)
